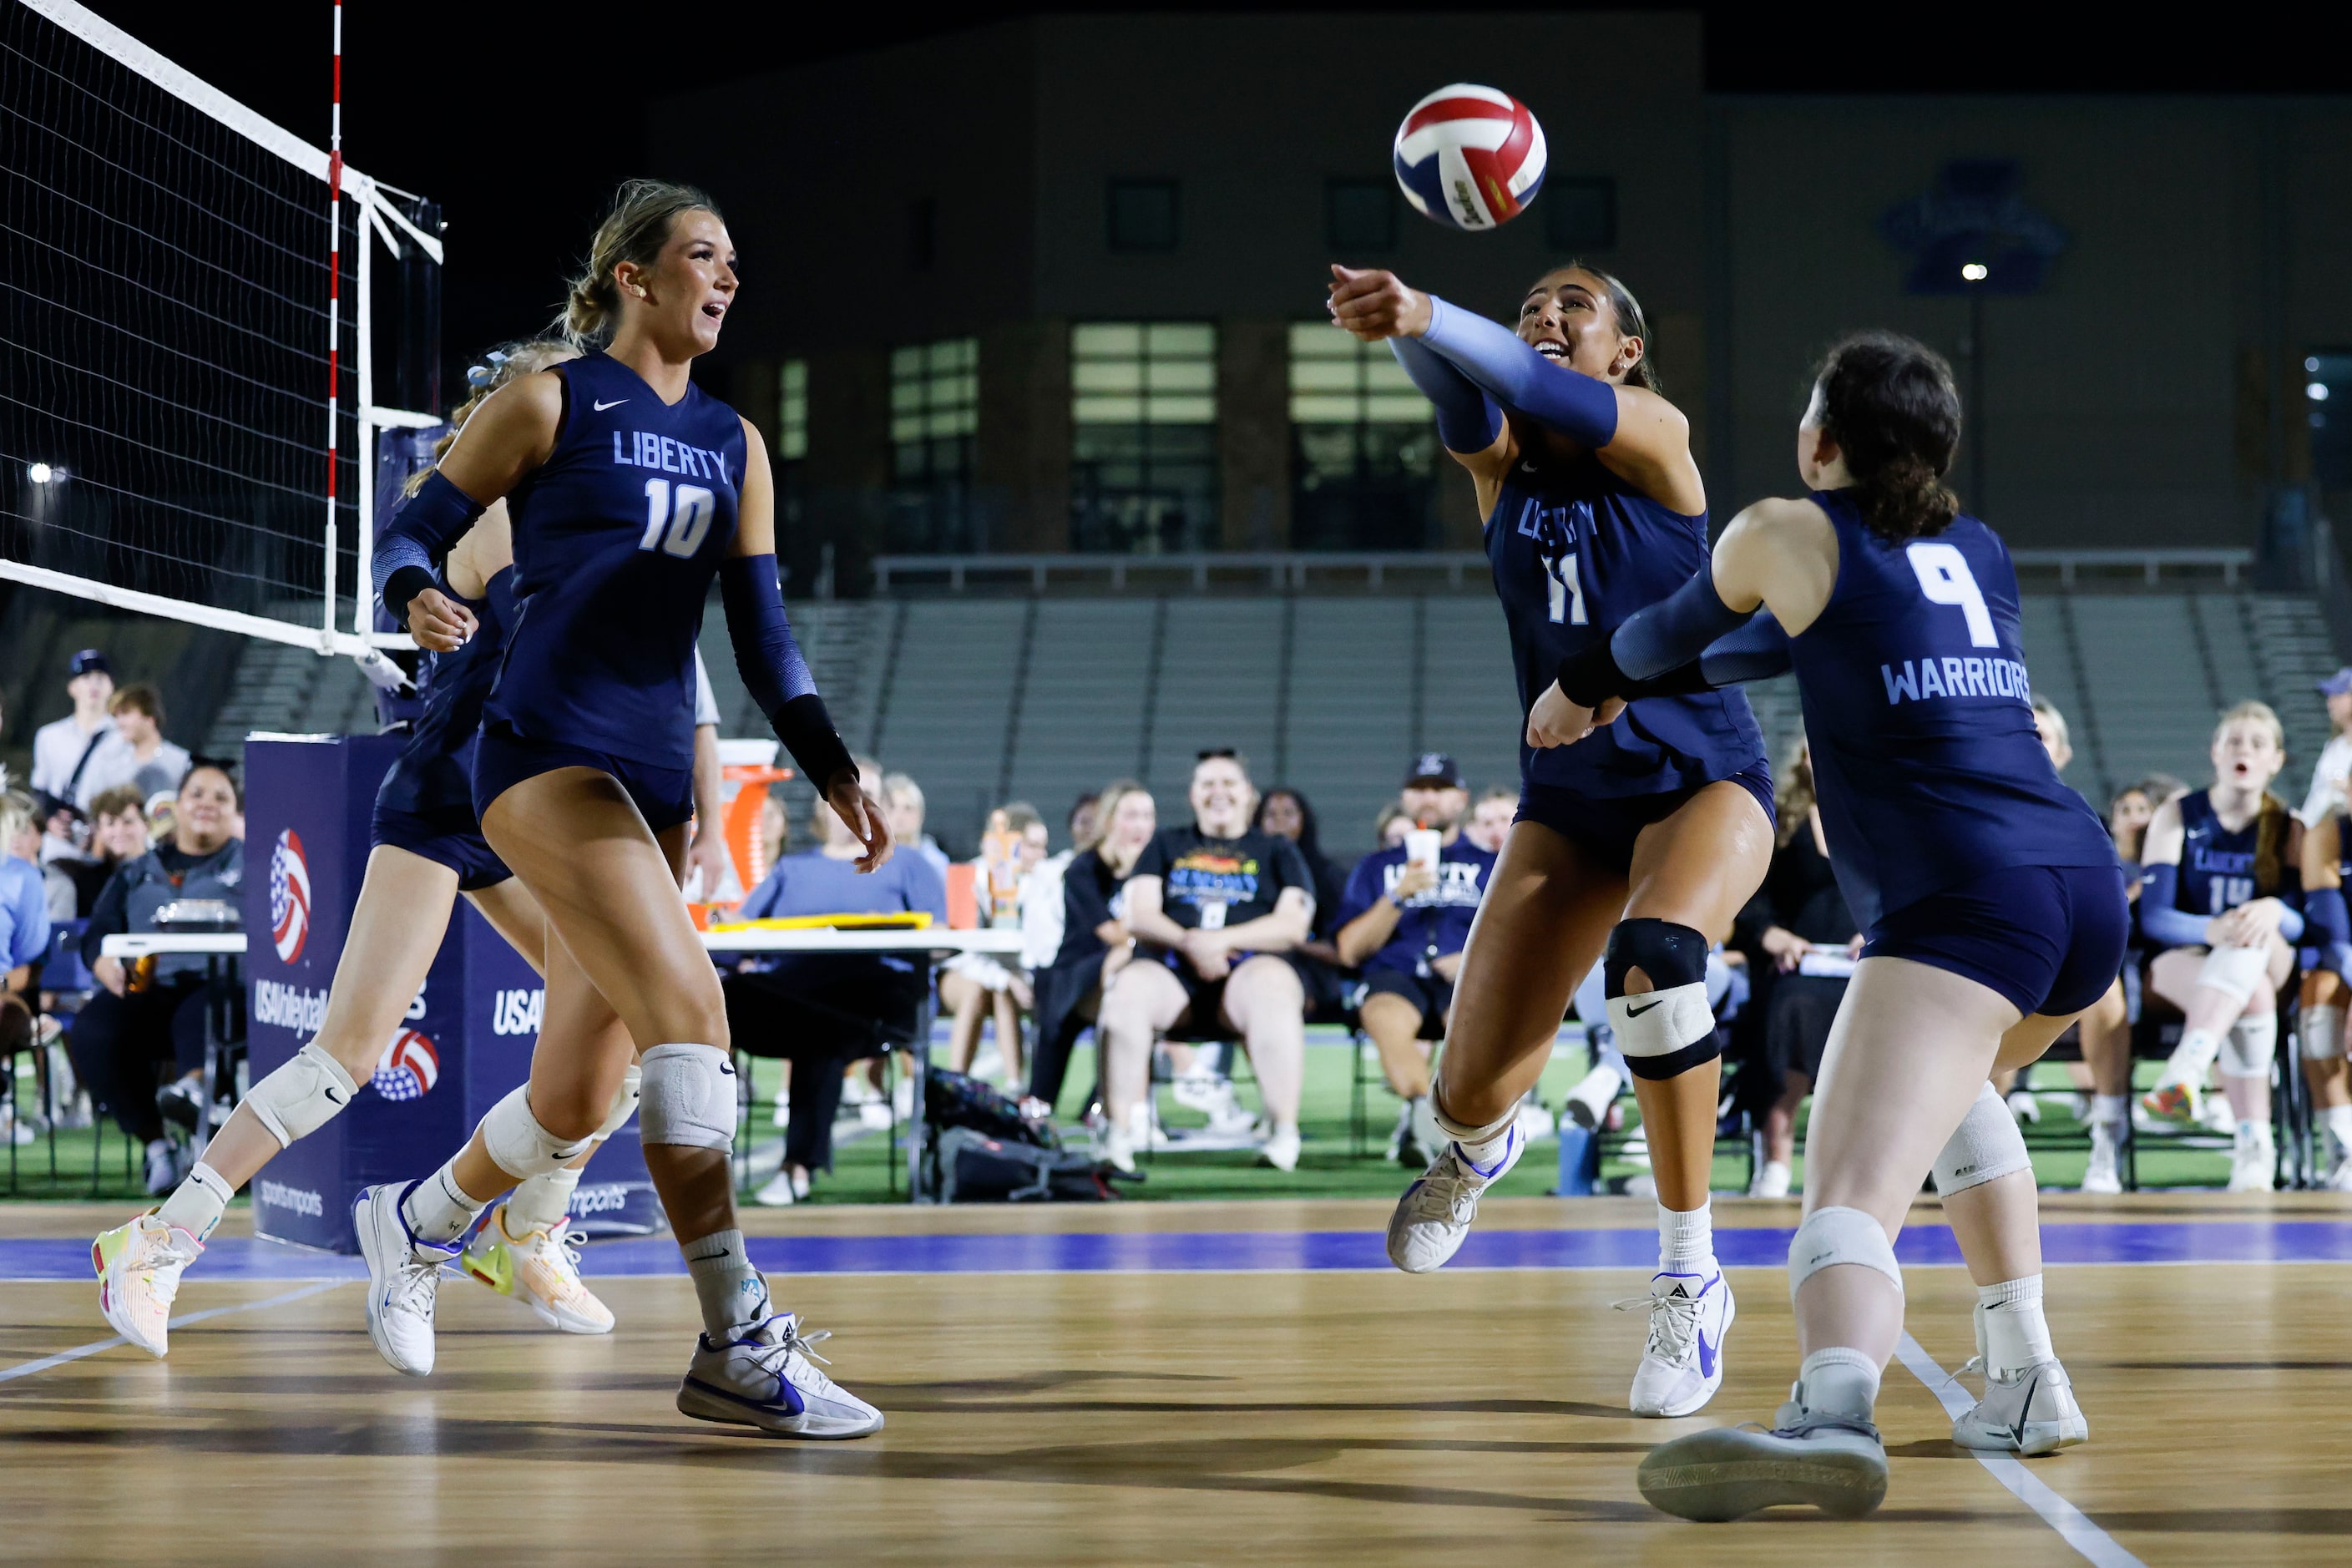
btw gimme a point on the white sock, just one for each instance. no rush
(438, 1210)
(540, 1203)
(2016, 1334)
(2337, 1118)
(1687, 1239)
(2110, 1110)
(729, 1290)
(1837, 1382)
(1482, 1147)
(2192, 1056)
(2252, 1132)
(197, 1206)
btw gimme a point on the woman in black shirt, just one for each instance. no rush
(1095, 941)
(1284, 814)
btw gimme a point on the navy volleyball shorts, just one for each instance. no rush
(664, 796)
(2049, 938)
(451, 838)
(1606, 826)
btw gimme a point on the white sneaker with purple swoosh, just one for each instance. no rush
(766, 1378)
(1432, 1219)
(1681, 1363)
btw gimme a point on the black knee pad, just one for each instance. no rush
(1668, 1029)
(1668, 953)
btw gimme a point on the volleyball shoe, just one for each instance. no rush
(1682, 1362)
(541, 1267)
(767, 1379)
(404, 1279)
(1836, 1463)
(1433, 1218)
(2030, 1410)
(138, 1268)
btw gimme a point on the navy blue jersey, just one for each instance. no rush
(2217, 866)
(616, 538)
(1917, 709)
(1430, 924)
(434, 773)
(1576, 550)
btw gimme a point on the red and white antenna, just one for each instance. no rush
(334, 308)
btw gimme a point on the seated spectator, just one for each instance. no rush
(1216, 905)
(136, 753)
(127, 1033)
(903, 803)
(62, 751)
(1798, 910)
(118, 834)
(822, 1011)
(974, 987)
(1093, 943)
(1404, 922)
(1391, 825)
(1042, 911)
(1491, 818)
(23, 937)
(1284, 814)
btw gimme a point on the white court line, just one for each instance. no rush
(2073, 1525)
(26, 1368)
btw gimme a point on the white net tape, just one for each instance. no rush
(163, 297)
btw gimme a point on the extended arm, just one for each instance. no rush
(1468, 422)
(1581, 407)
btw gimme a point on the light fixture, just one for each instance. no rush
(2310, 363)
(2316, 392)
(1974, 271)
(39, 473)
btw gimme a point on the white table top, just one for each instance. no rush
(939, 939)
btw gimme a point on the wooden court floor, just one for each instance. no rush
(1288, 1417)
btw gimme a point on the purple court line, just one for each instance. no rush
(2235, 1241)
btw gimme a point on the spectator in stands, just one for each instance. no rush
(1391, 825)
(1404, 920)
(974, 987)
(822, 1011)
(2335, 764)
(63, 749)
(118, 835)
(1044, 912)
(136, 753)
(1095, 944)
(1797, 923)
(1284, 814)
(24, 938)
(125, 1034)
(1217, 904)
(902, 800)
(1490, 819)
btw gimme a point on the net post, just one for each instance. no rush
(364, 351)
(334, 326)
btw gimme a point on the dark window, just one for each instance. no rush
(922, 233)
(1360, 216)
(2328, 398)
(1142, 215)
(1363, 448)
(1580, 214)
(1143, 448)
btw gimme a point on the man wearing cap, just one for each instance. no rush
(62, 751)
(1405, 921)
(2334, 763)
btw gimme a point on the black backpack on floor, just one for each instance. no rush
(953, 1099)
(974, 1168)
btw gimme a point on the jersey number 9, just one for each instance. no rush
(1944, 576)
(678, 525)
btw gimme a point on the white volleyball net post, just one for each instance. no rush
(188, 354)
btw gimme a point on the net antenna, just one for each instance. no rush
(165, 332)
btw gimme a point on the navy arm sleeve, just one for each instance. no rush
(2326, 917)
(2157, 917)
(1467, 419)
(1678, 630)
(421, 533)
(769, 658)
(2292, 924)
(1578, 406)
(1757, 651)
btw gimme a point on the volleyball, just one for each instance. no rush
(1470, 157)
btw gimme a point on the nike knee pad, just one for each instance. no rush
(1669, 1028)
(689, 1097)
(298, 1097)
(625, 1104)
(2235, 972)
(1834, 1236)
(520, 1145)
(1985, 1147)
(2250, 1046)
(2320, 1034)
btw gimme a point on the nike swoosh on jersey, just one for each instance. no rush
(614, 403)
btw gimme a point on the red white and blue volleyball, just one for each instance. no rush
(289, 897)
(408, 1068)
(1470, 157)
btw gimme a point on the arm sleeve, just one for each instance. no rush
(1491, 355)
(769, 658)
(1467, 419)
(2326, 918)
(1677, 630)
(420, 533)
(2157, 917)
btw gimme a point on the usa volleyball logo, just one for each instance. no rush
(1470, 157)
(289, 897)
(409, 1067)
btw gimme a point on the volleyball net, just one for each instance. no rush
(188, 385)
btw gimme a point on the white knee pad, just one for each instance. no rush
(298, 1097)
(1985, 1147)
(1834, 1236)
(2321, 1034)
(689, 1097)
(625, 1104)
(2250, 1046)
(2235, 972)
(520, 1146)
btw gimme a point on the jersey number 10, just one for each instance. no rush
(678, 525)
